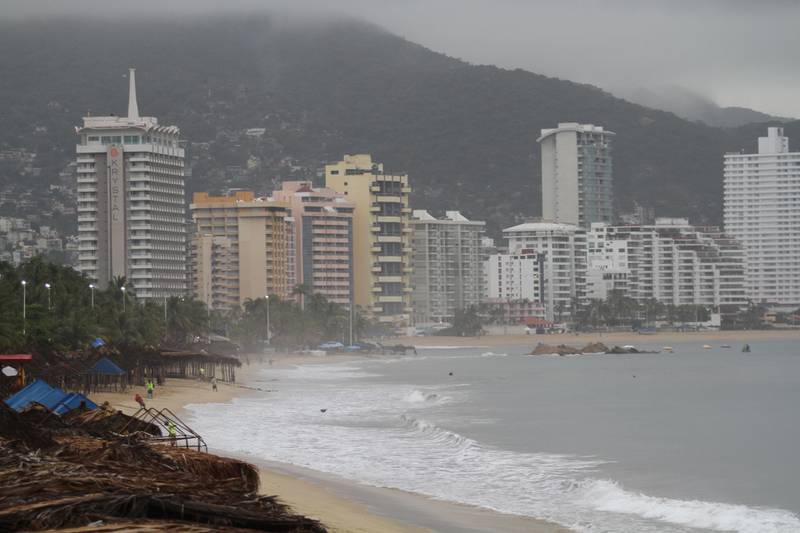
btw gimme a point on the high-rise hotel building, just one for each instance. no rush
(242, 248)
(762, 210)
(323, 235)
(670, 261)
(131, 206)
(447, 269)
(561, 250)
(381, 236)
(577, 186)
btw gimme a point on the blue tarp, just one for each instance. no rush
(72, 401)
(106, 366)
(98, 342)
(52, 398)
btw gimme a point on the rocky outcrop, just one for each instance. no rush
(561, 349)
(623, 349)
(594, 348)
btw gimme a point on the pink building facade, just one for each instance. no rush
(323, 238)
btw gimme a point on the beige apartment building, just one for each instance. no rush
(243, 247)
(448, 272)
(323, 236)
(381, 236)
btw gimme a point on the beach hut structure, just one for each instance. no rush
(12, 372)
(105, 374)
(199, 365)
(53, 399)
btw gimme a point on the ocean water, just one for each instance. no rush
(698, 440)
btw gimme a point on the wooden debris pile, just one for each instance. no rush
(105, 422)
(68, 478)
(13, 427)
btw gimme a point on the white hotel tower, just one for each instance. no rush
(762, 210)
(577, 182)
(131, 206)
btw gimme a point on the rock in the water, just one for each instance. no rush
(594, 347)
(561, 349)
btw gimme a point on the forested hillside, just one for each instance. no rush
(466, 134)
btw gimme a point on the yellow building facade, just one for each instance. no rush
(381, 236)
(242, 248)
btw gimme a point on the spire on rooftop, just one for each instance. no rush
(133, 105)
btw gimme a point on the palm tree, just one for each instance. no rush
(302, 290)
(187, 318)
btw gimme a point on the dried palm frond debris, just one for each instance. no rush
(69, 478)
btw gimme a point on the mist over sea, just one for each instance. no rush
(698, 440)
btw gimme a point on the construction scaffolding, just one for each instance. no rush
(173, 430)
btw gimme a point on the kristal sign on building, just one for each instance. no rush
(131, 207)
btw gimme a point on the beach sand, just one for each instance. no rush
(734, 338)
(342, 505)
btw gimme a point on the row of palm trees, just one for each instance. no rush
(51, 307)
(620, 310)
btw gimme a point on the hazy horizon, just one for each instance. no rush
(733, 52)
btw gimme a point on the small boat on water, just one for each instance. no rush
(725, 346)
(667, 349)
(706, 346)
(746, 348)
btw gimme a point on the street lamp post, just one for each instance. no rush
(91, 289)
(268, 336)
(24, 304)
(49, 306)
(123, 300)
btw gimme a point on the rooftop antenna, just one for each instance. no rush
(133, 106)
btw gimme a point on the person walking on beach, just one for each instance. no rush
(214, 384)
(139, 400)
(150, 388)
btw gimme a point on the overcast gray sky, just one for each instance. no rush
(738, 52)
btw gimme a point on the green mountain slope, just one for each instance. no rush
(466, 134)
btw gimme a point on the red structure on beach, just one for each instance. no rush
(13, 383)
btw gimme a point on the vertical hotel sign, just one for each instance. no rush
(116, 210)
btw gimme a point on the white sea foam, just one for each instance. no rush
(313, 372)
(607, 495)
(387, 434)
(418, 396)
(492, 354)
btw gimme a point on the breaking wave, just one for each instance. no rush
(392, 435)
(417, 396)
